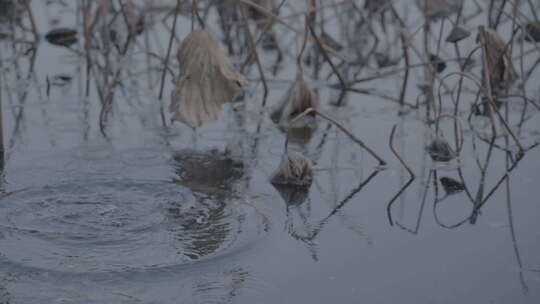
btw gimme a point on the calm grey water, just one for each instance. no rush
(154, 215)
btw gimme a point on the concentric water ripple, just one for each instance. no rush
(119, 226)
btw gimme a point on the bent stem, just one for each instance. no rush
(381, 161)
(391, 145)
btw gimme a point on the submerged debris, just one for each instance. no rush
(62, 36)
(451, 186)
(440, 150)
(457, 34)
(207, 80)
(294, 170)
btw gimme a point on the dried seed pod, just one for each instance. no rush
(440, 150)
(532, 31)
(436, 9)
(457, 34)
(299, 98)
(451, 186)
(294, 170)
(498, 58)
(207, 80)
(438, 64)
(62, 36)
(384, 60)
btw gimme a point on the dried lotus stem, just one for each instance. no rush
(382, 162)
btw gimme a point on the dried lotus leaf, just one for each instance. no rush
(440, 150)
(299, 98)
(293, 170)
(207, 80)
(498, 59)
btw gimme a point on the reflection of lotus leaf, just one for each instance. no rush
(292, 195)
(204, 231)
(207, 172)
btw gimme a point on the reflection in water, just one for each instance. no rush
(222, 288)
(485, 151)
(205, 231)
(4, 295)
(299, 223)
(292, 195)
(211, 176)
(211, 173)
(114, 84)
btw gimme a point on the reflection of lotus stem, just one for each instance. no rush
(391, 145)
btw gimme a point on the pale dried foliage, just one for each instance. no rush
(294, 170)
(498, 59)
(299, 98)
(207, 80)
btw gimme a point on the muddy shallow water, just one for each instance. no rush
(180, 215)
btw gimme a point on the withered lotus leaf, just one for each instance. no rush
(298, 98)
(498, 58)
(207, 79)
(440, 150)
(294, 170)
